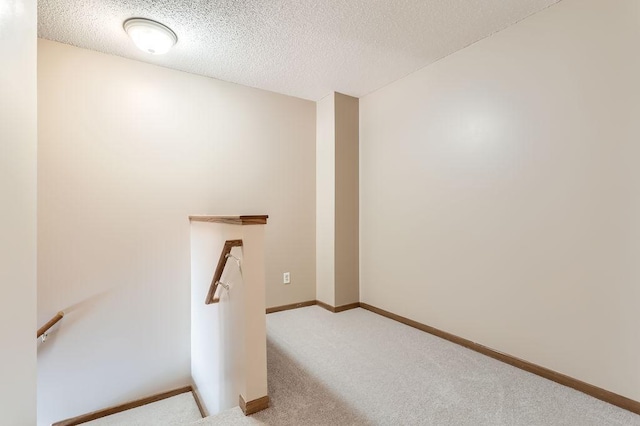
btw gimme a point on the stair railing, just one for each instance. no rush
(222, 262)
(42, 331)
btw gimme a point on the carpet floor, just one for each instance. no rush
(359, 368)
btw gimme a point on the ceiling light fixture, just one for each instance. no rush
(150, 36)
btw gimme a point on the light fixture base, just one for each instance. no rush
(150, 36)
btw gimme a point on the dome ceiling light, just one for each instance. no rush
(150, 36)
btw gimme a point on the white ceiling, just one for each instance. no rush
(303, 48)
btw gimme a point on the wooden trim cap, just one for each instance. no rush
(232, 220)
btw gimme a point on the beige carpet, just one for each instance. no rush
(358, 368)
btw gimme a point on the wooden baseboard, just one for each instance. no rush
(122, 407)
(336, 309)
(255, 405)
(201, 408)
(325, 306)
(346, 307)
(291, 306)
(594, 391)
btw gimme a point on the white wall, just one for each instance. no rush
(228, 339)
(18, 212)
(217, 343)
(500, 193)
(126, 152)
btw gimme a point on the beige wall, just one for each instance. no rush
(254, 318)
(346, 203)
(325, 199)
(18, 212)
(337, 279)
(126, 152)
(500, 193)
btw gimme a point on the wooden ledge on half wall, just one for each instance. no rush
(232, 220)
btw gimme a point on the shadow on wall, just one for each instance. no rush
(298, 398)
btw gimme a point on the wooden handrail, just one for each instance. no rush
(222, 262)
(53, 321)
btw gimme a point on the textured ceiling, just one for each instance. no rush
(303, 48)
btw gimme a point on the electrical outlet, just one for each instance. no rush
(286, 278)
